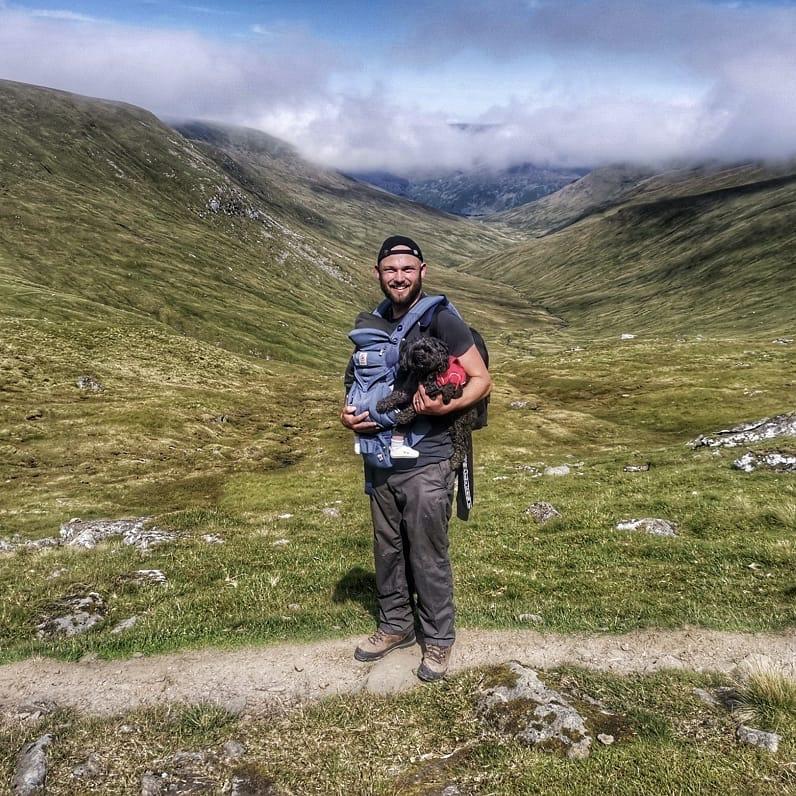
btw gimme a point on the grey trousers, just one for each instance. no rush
(411, 510)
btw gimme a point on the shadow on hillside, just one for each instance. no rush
(358, 584)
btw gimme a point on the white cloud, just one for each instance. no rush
(70, 16)
(618, 80)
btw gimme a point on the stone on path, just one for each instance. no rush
(651, 525)
(751, 737)
(31, 770)
(542, 512)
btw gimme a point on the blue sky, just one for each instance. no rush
(375, 85)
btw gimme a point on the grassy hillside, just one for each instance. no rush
(703, 255)
(110, 216)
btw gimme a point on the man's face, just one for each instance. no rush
(401, 278)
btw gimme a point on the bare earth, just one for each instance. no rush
(257, 679)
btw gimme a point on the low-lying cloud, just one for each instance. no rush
(675, 81)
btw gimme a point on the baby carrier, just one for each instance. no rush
(375, 369)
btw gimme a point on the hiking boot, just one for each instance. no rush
(435, 662)
(375, 647)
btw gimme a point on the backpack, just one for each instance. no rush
(375, 367)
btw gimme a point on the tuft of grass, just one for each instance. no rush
(766, 697)
(204, 721)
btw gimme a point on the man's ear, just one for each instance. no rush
(423, 268)
(376, 272)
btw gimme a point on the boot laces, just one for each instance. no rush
(436, 653)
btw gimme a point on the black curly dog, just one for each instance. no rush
(420, 363)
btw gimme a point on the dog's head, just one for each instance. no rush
(425, 356)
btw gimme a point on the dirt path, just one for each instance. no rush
(254, 679)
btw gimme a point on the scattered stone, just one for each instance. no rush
(651, 525)
(331, 512)
(184, 773)
(451, 790)
(766, 460)
(212, 538)
(89, 383)
(6, 546)
(233, 750)
(783, 340)
(627, 336)
(605, 738)
(562, 469)
(501, 478)
(637, 468)
(520, 704)
(33, 711)
(751, 737)
(81, 613)
(89, 657)
(147, 576)
(221, 419)
(78, 533)
(280, 542)
(90, 769)
(532, 618)
(34, 414)
(294, 607)
(706, 697)
(31, 769)
(779, 426)
(542, 512)
(125, 624)
(285, 516)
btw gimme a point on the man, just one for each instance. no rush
(411, 502)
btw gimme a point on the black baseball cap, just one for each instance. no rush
(399, 240)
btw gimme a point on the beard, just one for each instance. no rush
(404, 300)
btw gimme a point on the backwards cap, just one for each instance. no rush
(399, 240)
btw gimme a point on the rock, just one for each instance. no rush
(212, 538)
(451, 790)
(34, 414)
(651, 525)
(280, 543)
(147, 576)
(562, 469)
(518, 404)
(31, 769)
(542, 512)
(331, 512)
(88, 657)
(627, 336)
(519, 703)
(767, 428)
(125, 624)
(88, 534)
(89, 383)
(152, 785)
(91, 768)
(33, 711)
(233, 750)
(605, 739)
(783, 340)
(637, 468)
(6, 546)
(705, 696)
(751, 737)
(82, 612)
(766, 460)
(532, 618)
(285, 516)
(184, 773)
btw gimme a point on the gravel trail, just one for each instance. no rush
(257, 679)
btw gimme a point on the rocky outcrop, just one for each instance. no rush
(72, 616)
(651, 525)
(777, 461)
(31, 769)
(747, 433)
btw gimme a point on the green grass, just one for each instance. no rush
(671, 743)
(148, 445)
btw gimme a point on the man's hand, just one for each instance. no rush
(357, 422)
(429, 406)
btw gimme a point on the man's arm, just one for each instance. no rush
(479, 385)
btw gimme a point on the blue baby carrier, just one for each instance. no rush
(375, 369)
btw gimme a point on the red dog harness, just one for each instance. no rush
(455, 374)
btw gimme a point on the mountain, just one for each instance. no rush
(111, 216)
(707, 250)
(477, 192)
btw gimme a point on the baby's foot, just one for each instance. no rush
(403, 452)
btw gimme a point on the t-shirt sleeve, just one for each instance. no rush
(454, 332)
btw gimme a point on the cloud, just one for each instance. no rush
(580, 83)
(70, 16)
(172, 72)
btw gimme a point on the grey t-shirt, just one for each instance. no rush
(436, 445)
